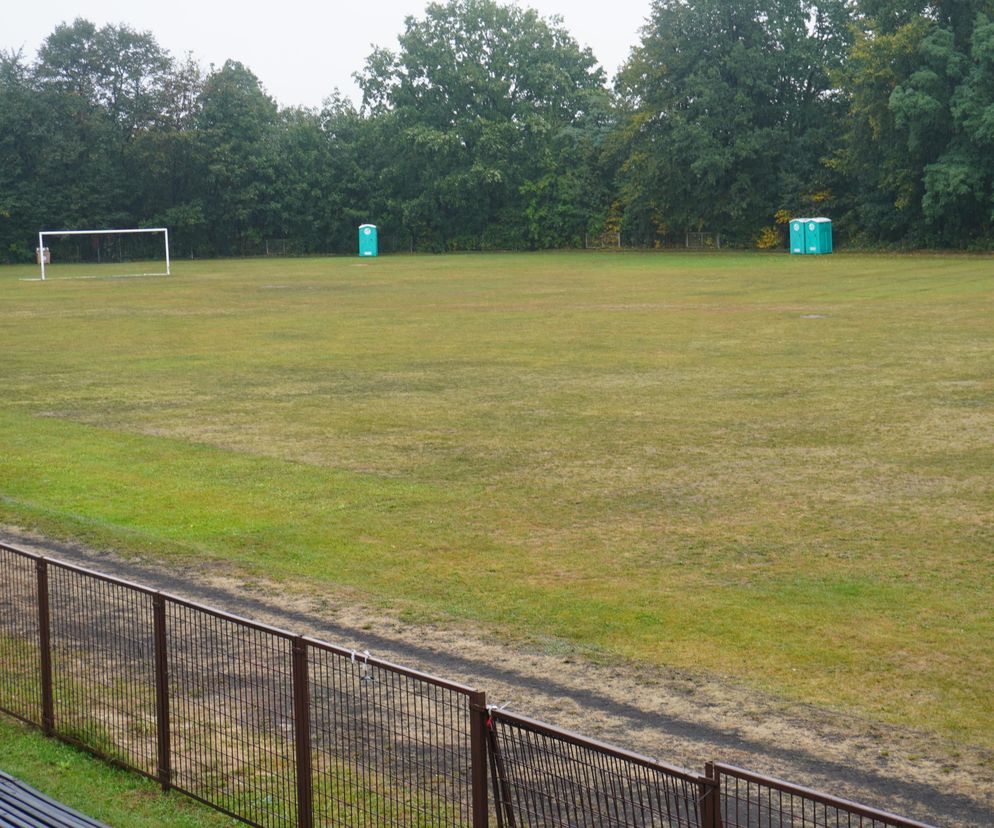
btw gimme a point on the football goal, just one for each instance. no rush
(703, 241)
(608, 240)
(94, 254)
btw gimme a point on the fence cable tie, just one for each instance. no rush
(365, 674)
(491, 709)
(498, 707)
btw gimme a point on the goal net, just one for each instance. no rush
(703, 241)
(608, 240)
(96, 254)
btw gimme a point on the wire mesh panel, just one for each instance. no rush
(389, 746)
(103, 666)
(544, 776)
(231, 714)
(214, 705)
(20, 676)
(749, 800)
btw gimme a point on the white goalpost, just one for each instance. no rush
(43, 252)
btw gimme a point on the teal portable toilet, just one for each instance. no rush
(797, 243)
(368, 245)
(818, 235)
(822, 234)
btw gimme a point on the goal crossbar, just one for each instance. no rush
(43, 233)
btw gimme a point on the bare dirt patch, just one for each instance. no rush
(679, 717)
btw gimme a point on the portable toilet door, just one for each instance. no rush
(818, 235)
(822, 233)
(797, 229)
(368, 245)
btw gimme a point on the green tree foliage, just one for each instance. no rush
(168, 166)
(959, 185)
(488, 126)
(915, 160)
(21, 139)
(236, 126)
(730, 107)
(321, 176)
(885, 182)
(491, 111)
(69, 123)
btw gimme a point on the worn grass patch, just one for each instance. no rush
(777, 469)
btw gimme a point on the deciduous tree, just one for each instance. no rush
(730, 106)
(485, 100)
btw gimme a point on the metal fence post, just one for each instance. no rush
(711, 817)
(45, 644)
(478, 758)
(302, 734)
(164, 770)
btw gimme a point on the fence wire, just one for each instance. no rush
(389, 747)
(231, 715)
(103, 666)
(749, 800)
(20, 651)
(549, 777)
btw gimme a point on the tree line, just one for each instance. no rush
(487, 126)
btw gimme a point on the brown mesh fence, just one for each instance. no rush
(749, 800)
(262, 724)
(231, 716)
(103, 666)
(550, 777)
(281, 730)
(20, 651)
(390, 746)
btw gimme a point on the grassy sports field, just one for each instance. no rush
(774, 469)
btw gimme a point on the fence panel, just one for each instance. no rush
(231, 714)
(20, 678)
(390, 746)
(550, 777)
(749, 800)
(103, 666)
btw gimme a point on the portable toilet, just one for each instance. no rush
(797, 228)
(368, 245)
(818, 235)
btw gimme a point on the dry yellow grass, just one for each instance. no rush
(776, 469)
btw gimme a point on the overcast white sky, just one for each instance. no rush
(300, 50)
